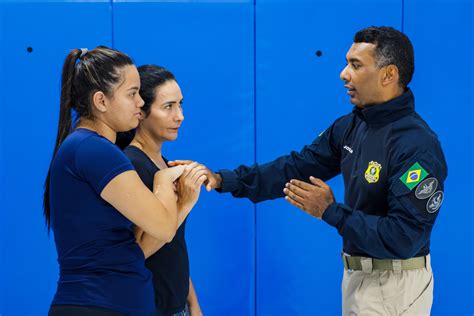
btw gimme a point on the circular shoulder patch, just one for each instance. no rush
(435, 201)
(426, 188)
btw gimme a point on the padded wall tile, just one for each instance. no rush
(208, 45)
(36, 37)
(442, 33)
(299, 95)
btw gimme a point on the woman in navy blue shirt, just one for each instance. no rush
(162, 116)
(93, 196)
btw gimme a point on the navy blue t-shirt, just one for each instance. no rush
(170, 264)
(100, 263)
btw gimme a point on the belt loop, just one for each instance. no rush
(428, 262)
(366, 264)
(397, 266)
(345, 260)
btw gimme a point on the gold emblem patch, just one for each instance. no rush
(373, 172)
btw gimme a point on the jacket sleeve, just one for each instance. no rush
(258, 183)
(413, 208)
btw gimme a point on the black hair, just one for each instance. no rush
(84, 73)
(391, 47)
(151, 77)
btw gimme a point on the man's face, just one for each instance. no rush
(361, 75)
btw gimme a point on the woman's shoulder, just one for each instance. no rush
(134, 153)
(82, 137)
(139, 159)
(91, 148)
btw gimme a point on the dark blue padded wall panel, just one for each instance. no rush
(28, 124)
(443, 35)
(208, 45)
(3, 215)
(3, 255)
(299, 94)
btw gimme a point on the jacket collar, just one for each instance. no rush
(387, 112)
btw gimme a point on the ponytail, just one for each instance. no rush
(65, 120)
(84, 73)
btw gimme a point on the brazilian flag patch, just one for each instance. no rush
(413, 176)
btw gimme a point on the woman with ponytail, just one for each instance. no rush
(93, 196)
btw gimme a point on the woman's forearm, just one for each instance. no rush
(149, 244)
(193, 302)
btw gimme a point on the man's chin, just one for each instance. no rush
(355, 101)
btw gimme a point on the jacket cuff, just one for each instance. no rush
(333, 214)
(229, 181)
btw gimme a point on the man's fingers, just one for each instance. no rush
(318, 182)
(197, 171)
(296, 190)
(294, 203)
(198, 174)
(201, 180)
(302, 185)
(294, 196)
(179, 162)
(194, 167)
(211, 182)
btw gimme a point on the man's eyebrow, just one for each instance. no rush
(354, 59)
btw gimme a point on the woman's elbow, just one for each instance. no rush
(163, 234)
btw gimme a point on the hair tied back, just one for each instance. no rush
(83, 52)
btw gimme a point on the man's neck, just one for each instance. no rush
(388, 95)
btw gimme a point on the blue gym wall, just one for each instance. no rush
(254, 89)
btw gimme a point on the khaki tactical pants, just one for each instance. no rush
(367, 292)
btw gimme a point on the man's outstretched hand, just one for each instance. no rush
(313, 198)
(213, 181)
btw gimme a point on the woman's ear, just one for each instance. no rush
(99, 102)
(142, 115)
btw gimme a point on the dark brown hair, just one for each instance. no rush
(84, 73)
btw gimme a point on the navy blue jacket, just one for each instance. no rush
(393, 168)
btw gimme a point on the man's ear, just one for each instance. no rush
(390, 75)
(99, 102)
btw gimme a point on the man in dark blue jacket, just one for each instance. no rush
(393, 169)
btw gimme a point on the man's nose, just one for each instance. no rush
(344, 75)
